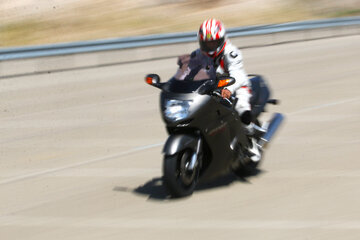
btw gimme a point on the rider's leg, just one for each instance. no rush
(243, 107)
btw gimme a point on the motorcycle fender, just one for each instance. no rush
(179, 142)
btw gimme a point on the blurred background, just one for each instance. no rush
(33, 22)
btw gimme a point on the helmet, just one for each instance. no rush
(211, 37)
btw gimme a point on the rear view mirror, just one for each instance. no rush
(153, 80)
(225, 82)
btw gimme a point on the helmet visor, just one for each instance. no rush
(211, 46)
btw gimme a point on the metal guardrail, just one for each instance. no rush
(154, 40)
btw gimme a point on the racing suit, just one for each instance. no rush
(230, 62)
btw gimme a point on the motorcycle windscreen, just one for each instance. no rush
(183, 86)
(193, 72)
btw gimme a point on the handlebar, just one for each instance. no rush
(231, 102)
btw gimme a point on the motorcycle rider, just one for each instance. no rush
(228, 60)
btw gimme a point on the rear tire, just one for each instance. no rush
(246, 168)
(179, 180)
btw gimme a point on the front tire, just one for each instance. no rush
(178, 179)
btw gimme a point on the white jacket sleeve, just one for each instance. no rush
(234, 64)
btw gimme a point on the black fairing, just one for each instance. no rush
(183, 86)
(215, 123)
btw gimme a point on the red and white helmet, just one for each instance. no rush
(211, 37)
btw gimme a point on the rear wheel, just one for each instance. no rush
(246, 168)
(179, 179)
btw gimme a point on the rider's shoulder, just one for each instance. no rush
(232, 56)
(231, 51)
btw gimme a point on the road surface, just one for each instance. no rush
(80, 154)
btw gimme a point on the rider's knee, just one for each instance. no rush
(246, 117)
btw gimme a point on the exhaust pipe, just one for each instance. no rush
(272, 127)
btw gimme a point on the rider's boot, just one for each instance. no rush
(254, 149)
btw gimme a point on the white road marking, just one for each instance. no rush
(141, 148)
(83, 106)
(148, 172)
(128, 223)
(89, 172)
(54, 170)
(317, 107)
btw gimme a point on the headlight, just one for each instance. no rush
(177, 109)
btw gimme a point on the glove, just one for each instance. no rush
(225, 93)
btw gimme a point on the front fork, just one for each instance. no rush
(195, 157)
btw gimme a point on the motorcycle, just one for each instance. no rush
(206, 137)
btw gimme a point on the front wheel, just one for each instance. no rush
(178, 178)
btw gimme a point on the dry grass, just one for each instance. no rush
(95, 19)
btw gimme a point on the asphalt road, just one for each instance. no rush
(80, 155)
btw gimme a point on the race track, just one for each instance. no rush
(80, 155)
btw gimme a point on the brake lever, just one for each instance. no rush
(234, 100)
(217, 93)
(228, 101)
(231, 102)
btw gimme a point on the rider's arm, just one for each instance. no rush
(234, 62)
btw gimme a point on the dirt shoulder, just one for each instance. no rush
(31, 22)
